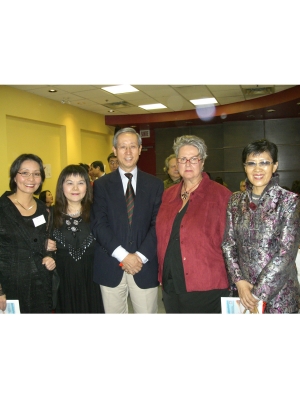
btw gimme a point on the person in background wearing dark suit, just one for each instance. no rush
(126, 254)
(96, 170)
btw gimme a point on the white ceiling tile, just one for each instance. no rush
(75, 88)
(230, 99)
(194, 92)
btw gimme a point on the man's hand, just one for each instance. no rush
(132, 263)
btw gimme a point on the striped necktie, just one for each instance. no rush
(129, 197)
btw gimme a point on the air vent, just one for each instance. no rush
(258, 91)
(118, 104)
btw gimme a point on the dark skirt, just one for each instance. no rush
(208, 302)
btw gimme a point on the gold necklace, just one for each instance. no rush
(27, 209)
(186, 193)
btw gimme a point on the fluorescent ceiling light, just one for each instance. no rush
(201, 102)
(120, 89)
(152, 106)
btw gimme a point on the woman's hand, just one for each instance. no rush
(51, 245)
(49, 263)
(3, 302)
(247, 299)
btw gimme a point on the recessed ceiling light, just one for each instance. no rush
(202, 102)
(111, 111)
(120, 89)
(152, 106)
(270, 110)
(52, 90)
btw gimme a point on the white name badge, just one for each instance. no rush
(39, 220)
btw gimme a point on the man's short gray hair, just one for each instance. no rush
(190, 140)
(126, 130)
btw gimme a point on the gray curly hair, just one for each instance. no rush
(190, 140)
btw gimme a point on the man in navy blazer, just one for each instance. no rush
(126, 253)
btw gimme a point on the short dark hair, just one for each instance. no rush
(16, 165)
(61, 203)
(260, 146)
(97, 164)
(111, 155)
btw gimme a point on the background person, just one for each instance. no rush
(77, 292)
(122, 240)
(262, 234)
(96, 170)
(172, 171)
(25, 266)
(242, 185)
(219, 179)
(112, 162)
(46, 197)
(189, 228)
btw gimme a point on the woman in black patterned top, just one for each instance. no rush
(77, 292)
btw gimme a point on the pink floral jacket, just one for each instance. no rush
(261, 242)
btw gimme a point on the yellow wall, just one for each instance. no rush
(58, 133)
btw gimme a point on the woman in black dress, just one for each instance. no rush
(77, 292)
(26, 268)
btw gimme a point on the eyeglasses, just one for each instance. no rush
(261, 164)
(192, 160)
(26, 174)
(114, 162)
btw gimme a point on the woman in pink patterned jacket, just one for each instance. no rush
(262, 235)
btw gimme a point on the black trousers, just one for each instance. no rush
(208, 302)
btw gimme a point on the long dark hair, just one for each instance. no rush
(61, 203)
(16, 165)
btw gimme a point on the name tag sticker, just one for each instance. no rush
(39, 220)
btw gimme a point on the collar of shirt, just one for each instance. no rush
(125, 179)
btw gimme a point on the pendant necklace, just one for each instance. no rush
(27, 209)
(186, 193)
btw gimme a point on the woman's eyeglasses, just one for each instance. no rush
(261, 164)
(27, 174)
(192, 160)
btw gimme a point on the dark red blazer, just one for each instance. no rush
(201, 233)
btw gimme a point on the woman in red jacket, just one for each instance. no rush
(189, 227)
